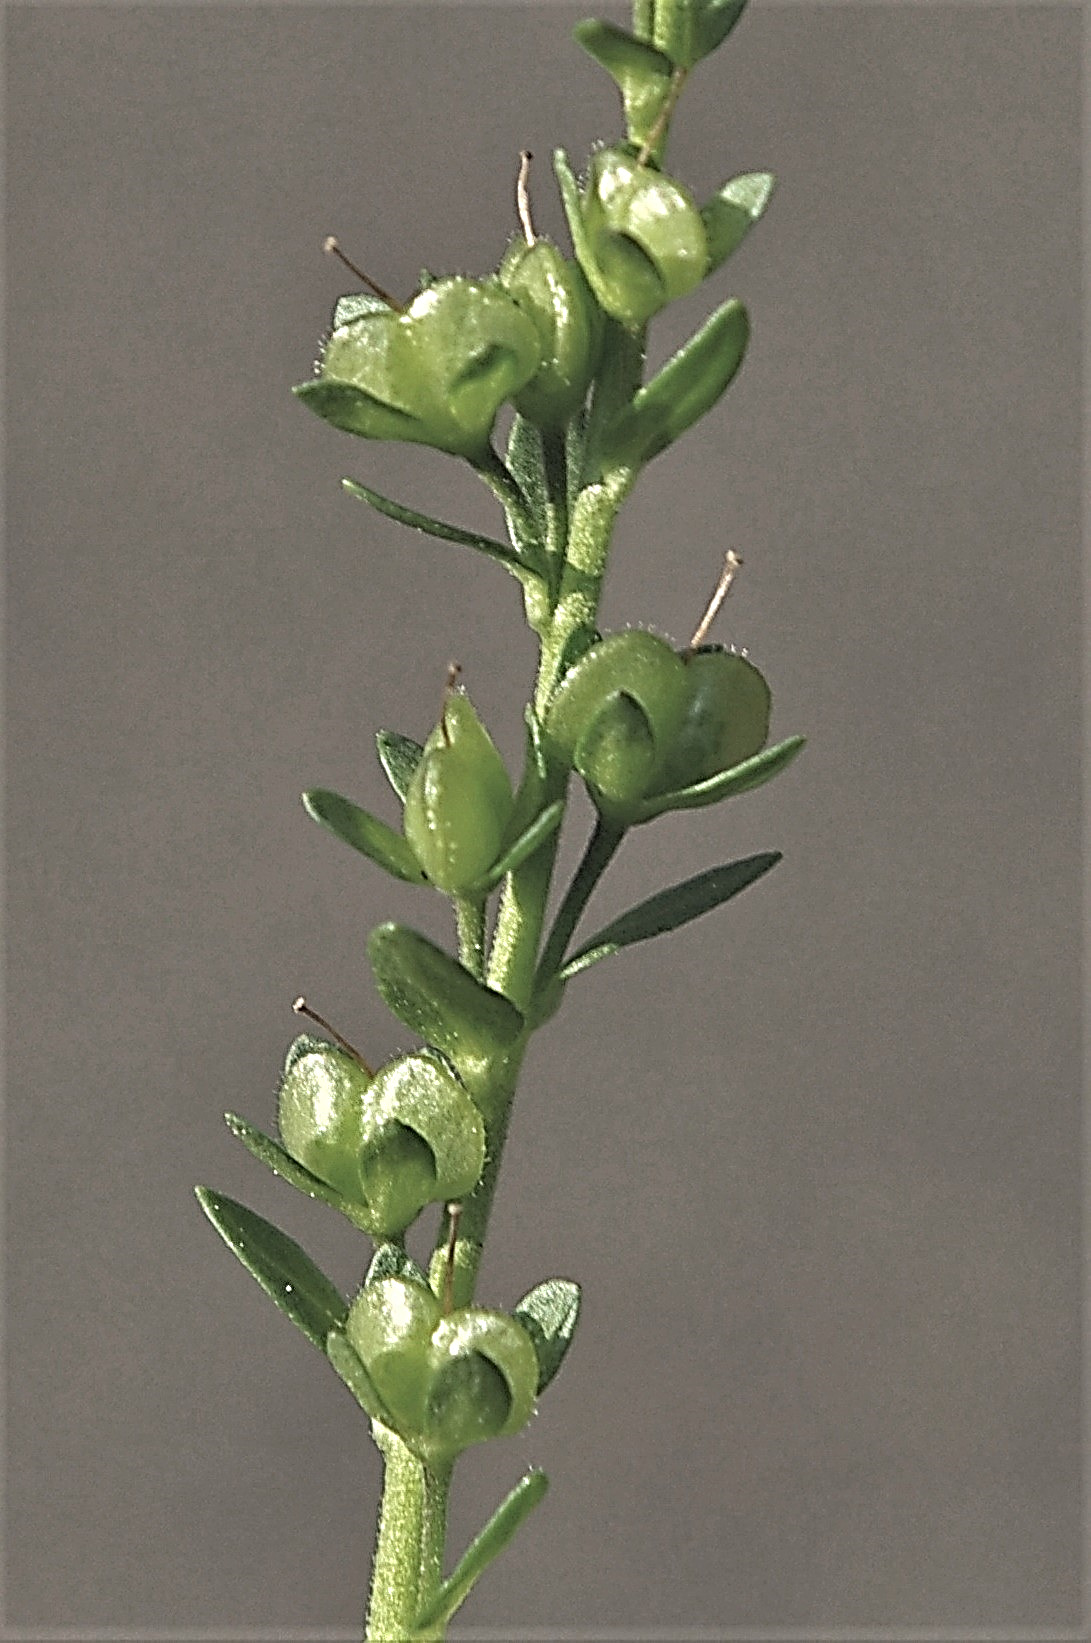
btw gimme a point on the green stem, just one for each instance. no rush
(503, 485)
(504, 1523)
(670, 28)
(555, 470)
(408, 1566)
(522, 913)
(476, 1209)
(590, 532)
(408, 1559)
(594, 510)
(470, 921)
(600, 851)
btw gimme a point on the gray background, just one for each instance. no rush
(815, 1160)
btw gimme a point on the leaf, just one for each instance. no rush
(355, 411)
(399, 756)
(731, 214)
(549, 1314)
(515, 854)
(575, 449)
(487, 545)
(285, 1272)
(394, 1261)
(364, 832)
(496, 1534)
(641, 73)
(726, 784)
(527, 465)
(670, 909)
(273, 1155)
(681, 392)
(573, 209)
(712, 22)
(354, 306)
(436, 997)
(346, 1361)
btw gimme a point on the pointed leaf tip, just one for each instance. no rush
(549, 1313)
(671, 908)
(512, 1512)
(365, 833)
(285, 1271)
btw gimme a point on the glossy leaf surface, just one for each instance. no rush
(365, 833)
(399, 756)
(549, 1313)
(285, 1272)
(641, 73)
(434, 996)
(731, 214)
(728, 784)
(274, 1157)
(392, 1260)
(679, 394)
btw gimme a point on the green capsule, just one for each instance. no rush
(615, 715)
(617, 757)
(320, 1112)
(553, 293)
(447, 1381)
(435, 373)
(459, 800)
(726, 718)
(644, 242)
(390, 1143)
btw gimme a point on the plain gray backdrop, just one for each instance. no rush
(816, 1159)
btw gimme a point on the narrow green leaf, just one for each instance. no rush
(687, 386)
(364, 832)
(436, 997)
(500, 1529)
(670, 909)
(731, 214)
(394, 1261)
(575, 450)
(355, 411)
(515, 854)
(487, 545)
(573, 209)
(399, 756)
(726, 784)
(285, 1272)
(273, 1155)
(712, 23)
(549, 1314)
(346, 1361)
(641, 73)
(356, 305)
(527, 465)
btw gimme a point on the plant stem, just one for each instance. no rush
(470, 920)
(409, 1554)
(408, 1565)
(502, 483)
(596, 858)
(555, 469)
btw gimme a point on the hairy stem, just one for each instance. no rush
(596, 858)
(470, 921)
(408, 1565)
(409, 1556)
